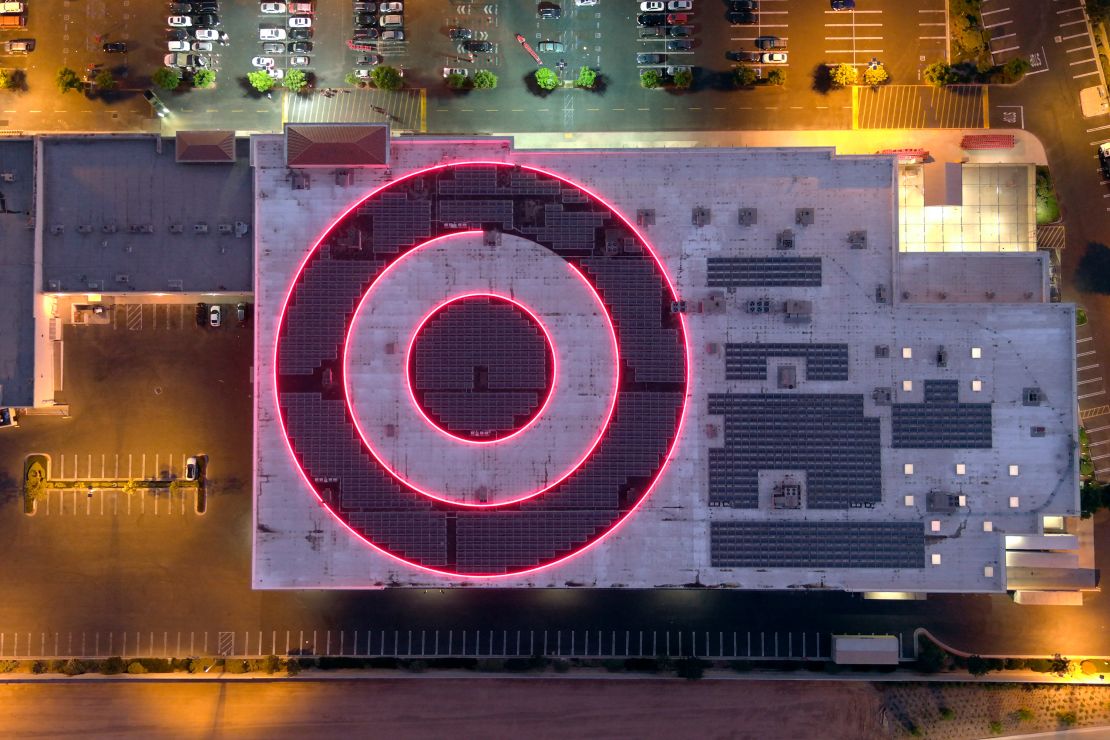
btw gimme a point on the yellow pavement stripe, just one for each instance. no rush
(284, 106)
(855, 107)
(986, 107)
(423, 110)
(1091, 413)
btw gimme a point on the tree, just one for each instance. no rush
(1060, 666)
(67, 80)
(546, 79)
(7, 79)
(352, 79)
(130, 487)
(485, 80)
(649, 78)
(295, 80)
(1016, 68)
(261, 80)
(105, 81)
(744, 76)
(204, 78)
(385, 77)
(875, 76)
(843, 74)
(683, 78)
(938, 74)
(587, 78)
(456, 81)
(776, 77)
(978, 666)
(166, 78)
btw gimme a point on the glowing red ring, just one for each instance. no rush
(620, 521)
(550, 391)
(500, 502)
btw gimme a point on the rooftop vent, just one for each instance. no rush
(242, 228)
(301, 181)
(177, 228)
(84, 229)
(803, 216)
(881, 396)
(123, 277)
(108, 228)
(942, 356)
(224, 228)
(7, 176)
(200, 228)
(57, 229)
(880, 293)
(96, 285)
(346, 178)
(857, 239)
(645, 217)
(54, 285)
(759, 305)
(177, 285)
(140, 228)
(700, 216)
(1031, 397)
(881, 351)
(785, 239)
(748, 216)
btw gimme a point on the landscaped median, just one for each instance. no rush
(36, 485)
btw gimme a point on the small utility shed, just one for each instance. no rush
(865, 650)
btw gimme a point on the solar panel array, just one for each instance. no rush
(748, 361)
(764, 272)
(649, 402)
(942, 421)
(735, 544)
(826, 435)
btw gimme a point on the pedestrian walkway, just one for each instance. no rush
(921, 106)
(403, 110)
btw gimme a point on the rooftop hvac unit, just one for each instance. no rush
(678, 306)
(7, 176)
(177, 285)
(759, 305)
(857, 239)
(711, 348)
(346, 178)
(882, 351)
(700, 216)
(54, 285)
(880, 293)
(645, 217)
(140, 228)
(96, 285)
(803, 216)
(1031, 396)
(302, 181)
(177, 228)
(942, 356)
(57, 229)
(491, 238)
(224, 228)
(785, 239)
(798, 312)
(200, 228)
(123, 277)
(748, 217)
(711, 431)
(84, 229)
(242, 228)
(881, 396)
(108, 228)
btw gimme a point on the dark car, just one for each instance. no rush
(741, 18)
(843, 4)
(300, 34)
(743, 56)
(177, 34)
(206, 7)
(1104, 160)
(680, 45)
(365, 20)
(114, 47)
(300, 47)
(647, 20)
(680, 32)
(549, 10)
(650, 59)
(206, 20)
(202, 314)
(479, 47)
(180, 8)
(364, 34)
(361, 7)
(739, 6)
(461, 34)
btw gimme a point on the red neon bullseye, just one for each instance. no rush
(543, 394)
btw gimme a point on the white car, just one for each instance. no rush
(393, 36)
(192, 469)
(448, 71)
(298, 61)
(202, 46)
(207, 34)
(300, 21)
(585, 2)
(652, 6)
(272, 7)
(178, 46)
(674, 5)
(391, 8)
(276, 72)
(774, 57)
(179, 21)
(271, 34)
(263, 62)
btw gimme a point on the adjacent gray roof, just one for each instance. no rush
(17, 282)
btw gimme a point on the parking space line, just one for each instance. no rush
(996, 25)
(1072, 23)
(1100, 457)
(1069, 10)
(1082, 61)
(1100, 442)
(1098, 429)
(1084, 339)
(1078, 48)
(1074, 36)
(1084, 354)
(1091, 395)
(1085, 74)
(1008, 48)
(1092, 380)
(989, 12)
(1086, 367)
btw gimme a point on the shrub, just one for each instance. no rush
(66, 79)
(136, 668)
(744, 76)
(73, 667)
(560, 665)
(939, 74)
(204, 78)
(261, 80)
(930, 657)
(683, 78)
(875, 76)
(352, 79)
(741, 666)
(1013, 664)
(292, 667)
(8, 666)
(546, 79)
(947, 713)
(995, 727)
(1024, 714)
(7, 79)
(485, 80)
(690, 668)
(491, 665)
(649, 79)
(272, 664)
(1015, 69)
(776, 77)
(1067, 719)
(295, 80)
(235, 666)
(167, 79)
(587, 78)
(456, 81)
(105, 81)
(417, 666)
(156, 665)
(54, 666)
(642, 665)
(978, 666)
(613, 666)
(112, 666)
(385, 77)
(843, 74)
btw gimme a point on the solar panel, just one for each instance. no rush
(942, 421)
(764, 272)
(797, 544)
(748, 361)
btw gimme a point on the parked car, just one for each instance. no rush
(241, 312)
(362, 7)
(178, 46)
(207, 34)
(680, 5)
(300, 47)
(114, 47)
(460, 34)
(368, 60)
(276, 72)
(550, 46)
(391, 8)
(365, 20)
(843, 4)
(179, 21)
(680, 32)
(177, 34)
(271, 34)
(655, 32)
(18, 46)
(262, 62)
(478, 47)
(299, 60)
(362, 74)
(448, 71)
(272, 8)
(652, 6)
(300, 34)
(301, 8)
(680, 45)
(363, 34)
(673, 70)
(774, 57)
(192, 469)
(175, 60)
(643, 59)
(180, 8)
(770, 42)
(202, 46)
(206, 7)
(742, 18)
(393, 35)
(740, 6)
(549, 11)
(207, 20)
(300, 21)
(651, 19)
(1104, 160)
(273, 47)
(677, 19)
(161, 110)
(743, 56)
(391, 21)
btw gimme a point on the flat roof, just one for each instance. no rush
(957, 420)
(17, 271)
(120, 214)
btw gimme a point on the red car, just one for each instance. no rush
(677, 19)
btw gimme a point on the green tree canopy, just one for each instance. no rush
(1016, 68)
(67, 80)
(843, 74)
(649, 78)
(295, 80)
(456, 81)
(683, 78)
(587, 78)
(105, 81)
(876, 75)
(204, 78)
(386, 78)
(7, 79)
(261, 80)
(485, 80)
(166, 78)
(546, 79)
(352, 79)
(776, 77)
(744, 76)
(938, 74)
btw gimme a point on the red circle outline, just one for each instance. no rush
(542, 566)
(551, 348)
